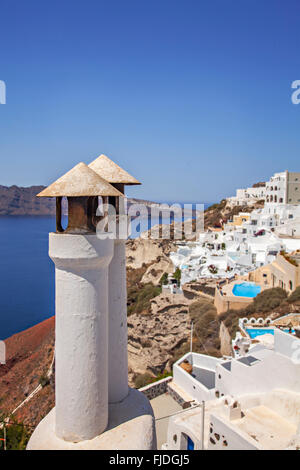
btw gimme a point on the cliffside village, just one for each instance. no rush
(249, 399)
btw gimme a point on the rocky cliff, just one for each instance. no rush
(29, 355)
(217, 214)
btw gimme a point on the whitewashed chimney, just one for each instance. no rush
(94, 408)
(117, 343)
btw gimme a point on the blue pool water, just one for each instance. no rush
(253, 332)
(246, 289)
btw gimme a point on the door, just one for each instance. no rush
(190, 444)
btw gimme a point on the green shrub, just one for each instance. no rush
(139, 298)
(177, 276)
(267, 300)
(264, 302)
(163, 375)
(142, 380)
(295, 296)
(179, 352)
(44, 380)
(17, 436)
(164, 279)
(231, 320)
(203, 314)
(146, 379)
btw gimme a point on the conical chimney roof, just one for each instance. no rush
(78, 182)
(112, 172)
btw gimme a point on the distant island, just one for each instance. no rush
(16, 200)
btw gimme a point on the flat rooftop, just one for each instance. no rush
(271, 422)
(265, 426)
(205, 376)
(163, 406)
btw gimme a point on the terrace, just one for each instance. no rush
(263, 421)
(199, 382)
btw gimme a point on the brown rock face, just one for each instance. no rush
(225, 340)
(147, 251)
(29, 356)
(153, 338)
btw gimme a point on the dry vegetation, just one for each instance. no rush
(215, 214)
(269, 302)
(139, 294)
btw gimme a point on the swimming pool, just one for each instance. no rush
(253, 332)
(246, 289)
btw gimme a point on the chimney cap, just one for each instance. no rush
(112, 172)
(80, 181)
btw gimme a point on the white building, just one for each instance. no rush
(251, 402)
(248, 196)
(227, 253)
(283, 188)
(250, 241)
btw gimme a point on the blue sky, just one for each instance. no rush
(192, 97)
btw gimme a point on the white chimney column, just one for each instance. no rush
(94, 408)
(81, 349)
(117, 343)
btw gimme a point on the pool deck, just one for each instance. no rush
(228, 290)
(225, 299)
(246, 289)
